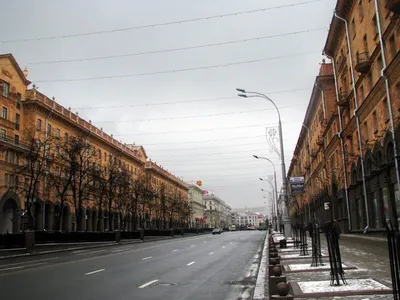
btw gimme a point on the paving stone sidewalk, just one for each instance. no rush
(365, 262)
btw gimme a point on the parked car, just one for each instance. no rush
(217, 231)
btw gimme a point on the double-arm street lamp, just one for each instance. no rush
(286, 220)
(274, 212)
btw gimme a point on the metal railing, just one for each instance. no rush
(393, 238)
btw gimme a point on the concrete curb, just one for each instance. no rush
(123, 242)
(259, 290)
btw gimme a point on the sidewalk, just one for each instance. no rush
(365, 262)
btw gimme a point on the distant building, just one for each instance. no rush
(197, 206)
(217, 212)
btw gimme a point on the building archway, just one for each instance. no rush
(10, 220)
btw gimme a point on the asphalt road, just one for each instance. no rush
(201, 267)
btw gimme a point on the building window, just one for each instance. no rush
(66, 137)
(48, 130)
(39, 124)
(58, 133)
(4, 113)
(17, 121)
(385, 111)
(361, 10)
(375, 122)
(16, 139)
(3, 134)
(353, 27)
(18, 100)
(392, 46)
(365, 40)
(375, 25)
(366, 131)
(362, 94)
(6, 88)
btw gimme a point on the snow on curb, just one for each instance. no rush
(259, 291)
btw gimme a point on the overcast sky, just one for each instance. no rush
(212, 141)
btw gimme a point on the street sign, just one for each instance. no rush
(297, 185)
(326, 205)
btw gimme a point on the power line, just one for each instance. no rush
(206, 141)
(193, 116)
(200, 130)
(176, 49)
(212, 153)
(157, 24)
(177, 70)
(181, 102)
(184, 117)
(204, 148)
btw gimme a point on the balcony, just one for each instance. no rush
(393, 5)
(364, 62)
(343, 99)
(313, 153)
(7, 123)
(307, 166)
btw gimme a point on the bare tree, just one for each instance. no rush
(36, 160)
(82, 164)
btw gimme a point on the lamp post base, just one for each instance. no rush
(288, 227)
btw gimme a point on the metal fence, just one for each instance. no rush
(393, 238)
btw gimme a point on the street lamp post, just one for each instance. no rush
(274, 201)
(286, 219)
(276, 188)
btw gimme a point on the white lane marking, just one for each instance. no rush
(211, 253)
(78, 251)
(147, 284)
(174, 250)
(94, 272)
(91, 252)
(205, 242)
(230, 243)
(191, 263)
(223, 246)
(21, 267)
(148, 257)
(191, 245)
(24, 262)
(118, 250)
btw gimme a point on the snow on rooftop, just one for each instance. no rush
(353, 285)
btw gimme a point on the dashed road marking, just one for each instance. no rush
(147, 284)
(174, 250)
(191, 263)
(211, 253)
(94, 272)
(223, 246)
(148, 257)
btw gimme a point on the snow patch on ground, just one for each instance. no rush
(292, 250)
(305, 267)
(353, 285)
(297, 255)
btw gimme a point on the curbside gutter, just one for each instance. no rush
(259, 290)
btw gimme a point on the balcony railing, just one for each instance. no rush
(393, 5)
(364, 62)
(6, 122)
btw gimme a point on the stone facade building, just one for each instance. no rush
(59, 172)
(217, 213)
(197, 205)
(354, 146)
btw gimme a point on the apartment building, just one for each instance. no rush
(197, 205)
(355, 178)
(59, 172)
(217, 213)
